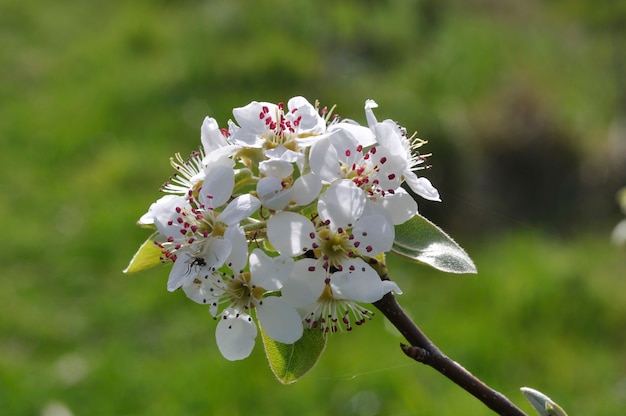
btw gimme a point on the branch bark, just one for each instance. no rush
(424, 351)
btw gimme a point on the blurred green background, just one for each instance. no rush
(524, 107)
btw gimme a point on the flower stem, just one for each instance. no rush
(423, 350)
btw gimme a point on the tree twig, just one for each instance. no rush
(424, 351)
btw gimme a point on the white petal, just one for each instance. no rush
(284, 154)
(280, 320)
(272, 194)
(400, 206)
(203, 290)
(221, 156)
(363, 135)
(290, 233)
(369, 114)
(324, 160)
(310, 119)
(374, 234)
(248, 117)
(239, 253)
(422, 187)
(358, 282)
(164, 210)
(211, 136)
(217, 186)
(306, 188)
(345, 144)
(215, 252)
(305, 284)
(342, 204)
(276, 167)
(235, 335)
(269, 272)
(238, 209)
(181, 271)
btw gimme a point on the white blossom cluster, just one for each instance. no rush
(278, 216)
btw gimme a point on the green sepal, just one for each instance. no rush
(422, 241)
(148, 255)
(290, 362)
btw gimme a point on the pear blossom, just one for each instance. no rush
(277, 188)
(268, 126)
(394, 138)
(275, 221)
(333, 276)
(244, 291)
(196, 225)
(375, 170)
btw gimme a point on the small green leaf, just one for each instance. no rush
(290, 362)
(147, 256)
(542, 403)
(420, 240)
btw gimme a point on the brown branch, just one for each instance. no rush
(424, 351)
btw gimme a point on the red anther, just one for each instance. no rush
(312, 235)
(265, 109)
(359, 148)
(391, 176)
(368, 249)
(373, 150)
(348, 153)
(383, 160)
(311, 268)
(281, 106)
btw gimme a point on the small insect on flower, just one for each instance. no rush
(196, 262)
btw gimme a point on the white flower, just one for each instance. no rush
(376, 171)
(276, 189)
(196, 225)
(392, 137)
(243, 291)
(268, 126)
(327, 283)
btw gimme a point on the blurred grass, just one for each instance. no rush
(96, 96)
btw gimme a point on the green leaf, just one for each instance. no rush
(420, 240)
(148, 255)
(542, 403)
(290, 362)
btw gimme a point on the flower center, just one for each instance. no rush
(334, 247)
(241, 293)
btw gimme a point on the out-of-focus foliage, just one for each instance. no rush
(523, 107)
